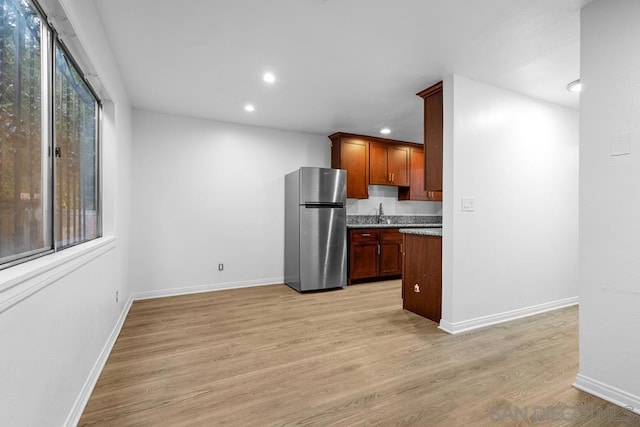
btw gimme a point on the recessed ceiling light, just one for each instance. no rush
(249, 108)
(575, 86)
(269, 77)
(385, 131)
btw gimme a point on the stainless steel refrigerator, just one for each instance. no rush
(315, 243)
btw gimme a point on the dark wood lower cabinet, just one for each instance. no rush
(422, 276)
(364, 254)
(390, 252)
(374, 254)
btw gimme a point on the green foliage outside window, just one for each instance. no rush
(37, 215)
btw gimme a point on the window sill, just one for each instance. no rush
(19, 282)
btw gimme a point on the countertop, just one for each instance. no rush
(423, 231)
(384, 225)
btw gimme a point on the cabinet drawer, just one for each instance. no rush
(364, 235)
(391, 235)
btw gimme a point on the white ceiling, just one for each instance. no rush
(341, 65)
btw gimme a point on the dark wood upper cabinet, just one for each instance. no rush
(416, 189)
(352, 155)
(389, 164)
(433, 140)
(377, 161)
(399, 165)
(378, 164)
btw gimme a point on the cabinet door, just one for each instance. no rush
(364, 253)
(422, 276)
(378, 164)
(398, 165)
(417, 191)
(433, 267)
(413, 274)
(390, 253)
(433, 135)
(354, 158)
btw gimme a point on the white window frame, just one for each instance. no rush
(10, 272)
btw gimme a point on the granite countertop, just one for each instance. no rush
(435, 225)
(394, 221)
(423, 231)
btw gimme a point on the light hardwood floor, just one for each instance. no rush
(270, 356)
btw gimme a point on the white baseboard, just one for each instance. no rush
(481, 322)
(609, 393)
(206, 288)
(92, 379)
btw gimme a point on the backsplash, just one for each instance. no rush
(388, 196)
(395, 219)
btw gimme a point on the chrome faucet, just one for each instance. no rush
(380, 213)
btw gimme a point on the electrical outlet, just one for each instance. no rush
(220, 267)
(116, 296)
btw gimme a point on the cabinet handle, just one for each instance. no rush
(393, 177)
(378, 249)
(401, 251)
(365, 234)
(416, 288)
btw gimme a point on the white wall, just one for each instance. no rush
(52, 341)
(209, 192)
(517, 252)
(609, 203)
(388, 196)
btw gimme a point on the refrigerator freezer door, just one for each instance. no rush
(320, 185)
(323, 248)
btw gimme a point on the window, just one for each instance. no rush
(76, 138)
(24, 167)
(49, 122)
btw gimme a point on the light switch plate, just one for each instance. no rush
(468, 204)
(621, 144)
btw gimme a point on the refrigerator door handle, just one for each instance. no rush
(311, 205)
